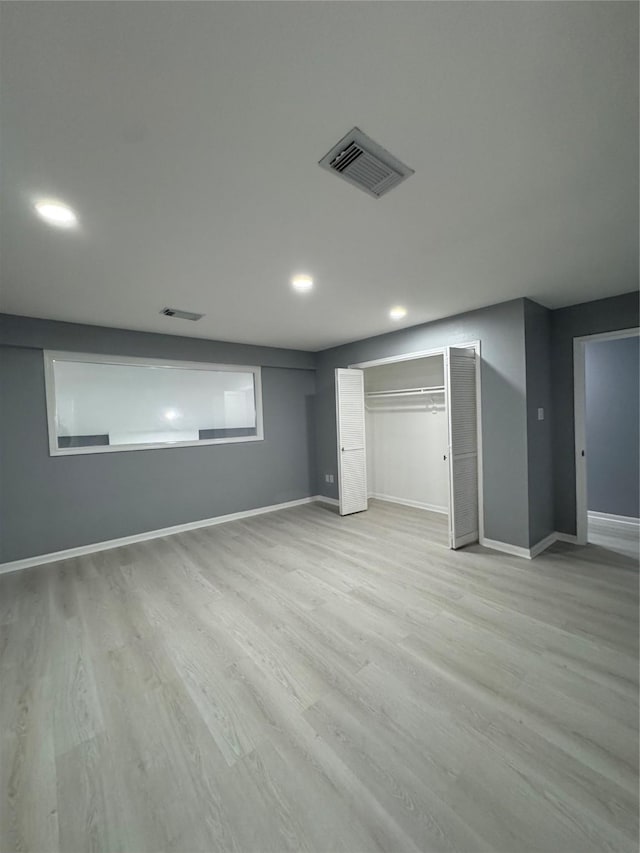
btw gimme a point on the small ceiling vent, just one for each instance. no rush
(365, 164)
(181, 315)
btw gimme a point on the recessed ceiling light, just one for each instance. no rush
(302, 283)
(172, 414)
(56, 213)
(398, 312)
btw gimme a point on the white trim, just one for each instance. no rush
(614, 519)
(614, 526)
(323, 499)
(566, 537)
(632, 332)
(50, 356)
(506, 548)
(534, 551)
(404, 502)
(579, 416)
(108, 544)
(542, 545)
(580, 439)
(69, 553)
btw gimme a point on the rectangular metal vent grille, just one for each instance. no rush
(365, 164)
(181, 315)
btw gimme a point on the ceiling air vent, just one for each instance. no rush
(365, 164)
(181, 315)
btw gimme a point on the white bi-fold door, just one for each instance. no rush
(352, 457)
(460, 388)
(460, 378)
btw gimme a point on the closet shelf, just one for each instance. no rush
(406, 392)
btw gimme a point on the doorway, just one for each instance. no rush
(606, 377)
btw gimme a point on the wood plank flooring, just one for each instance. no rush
(302, 682)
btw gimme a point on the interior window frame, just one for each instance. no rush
(51, 356)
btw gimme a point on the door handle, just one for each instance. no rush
(444, 458)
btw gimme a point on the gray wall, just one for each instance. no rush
(589, 318)
(501, 331)
(52, 503)
(539, 433)
(47, 504)
(52, 334)
(613, 429)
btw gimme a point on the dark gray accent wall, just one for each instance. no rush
(537, 327)
(53, 503)
(589, 318)
(613, 426)
(500, 329)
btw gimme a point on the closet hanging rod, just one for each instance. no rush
(407, 392)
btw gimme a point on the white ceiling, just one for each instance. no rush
(187, 138)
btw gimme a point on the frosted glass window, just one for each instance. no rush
(98, 404)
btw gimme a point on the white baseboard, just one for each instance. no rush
(506, 548)
(605, 524)
(93, 548)
(68, 553)
(534, 551)
(323, 499)
(542, 545)
(416, 504)
(566, 537)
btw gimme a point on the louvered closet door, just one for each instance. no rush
(460, 379)
(352, 457)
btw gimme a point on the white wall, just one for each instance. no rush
(407, 435)
(405, 451)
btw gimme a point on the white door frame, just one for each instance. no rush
(410, 356)
(579, 414)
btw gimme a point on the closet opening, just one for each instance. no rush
(409, 434)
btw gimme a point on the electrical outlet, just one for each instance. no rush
(541, 414)
(328, 478)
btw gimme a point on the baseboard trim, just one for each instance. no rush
(535, 550)
(323, 499)
(605, 524)
(506, 548)
(566, 537)
(415, 504)
(108, 544)
(93, 548)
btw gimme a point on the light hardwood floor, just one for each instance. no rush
(303, 682)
